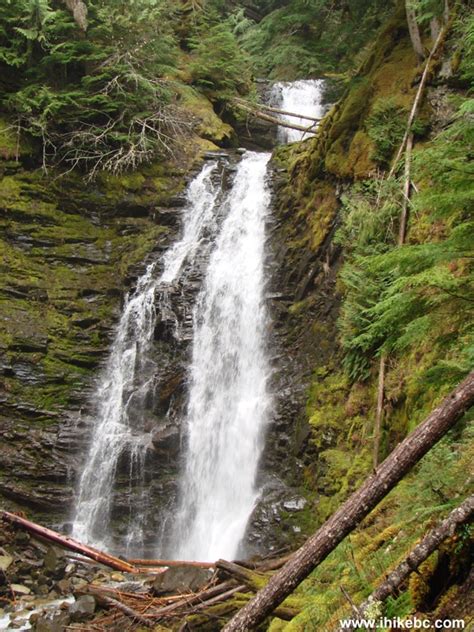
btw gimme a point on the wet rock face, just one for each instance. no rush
(68, 252)
(303, 305)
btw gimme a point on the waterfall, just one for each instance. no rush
(228, 398)
(299, 97)
(128, 377)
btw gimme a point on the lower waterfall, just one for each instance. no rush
(127, 378)
(228, 398)
(228, 401)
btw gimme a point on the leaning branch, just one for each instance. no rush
(356, 507)
(417, 101)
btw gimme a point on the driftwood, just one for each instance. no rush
(356, 507)
(419, 554)
(68, 543)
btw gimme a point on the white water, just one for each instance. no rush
(228, 399)
(298, 97)
(128, 377)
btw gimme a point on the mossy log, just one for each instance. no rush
(405, 456)
(419, 554)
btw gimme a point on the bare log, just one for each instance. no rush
(275, 120)
(68, 543)
(420, 553)
(158, 563)
(269, 108)
(357, 507)
(250, 578)
(186, 602)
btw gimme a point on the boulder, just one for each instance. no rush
(181, 579)
(83, 608)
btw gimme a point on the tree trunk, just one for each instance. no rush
(357, 507)
(406, 192)
(79, 11)
(414, 30)
(379, 413)
(419, 554)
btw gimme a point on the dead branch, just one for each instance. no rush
(276, 121)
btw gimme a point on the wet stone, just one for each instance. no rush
(83, 608)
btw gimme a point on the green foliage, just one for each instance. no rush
(301, 38)
(385, 127)
(400, 298)
(99, 100)
(218, 64)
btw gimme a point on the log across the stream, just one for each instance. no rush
(356, 507)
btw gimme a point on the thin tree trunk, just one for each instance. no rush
(414, 30)
(435, 28)
(357, 507)
(416, 102)
(419, 554)
(406, 192)
(379, 412)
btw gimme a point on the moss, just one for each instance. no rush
(208, 125)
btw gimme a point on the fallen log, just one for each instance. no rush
(269, 108)
(250, 578)
(169, 563)
(275, 120)
(68, 543)
(356, 507)
(419, 554)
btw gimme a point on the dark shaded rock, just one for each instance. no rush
(82, 609)
(179, 579)
(56, 622)
(166, 440)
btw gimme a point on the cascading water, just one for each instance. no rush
(228, 399)
(128, 378)
(299, 97)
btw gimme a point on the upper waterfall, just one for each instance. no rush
(301, 97)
